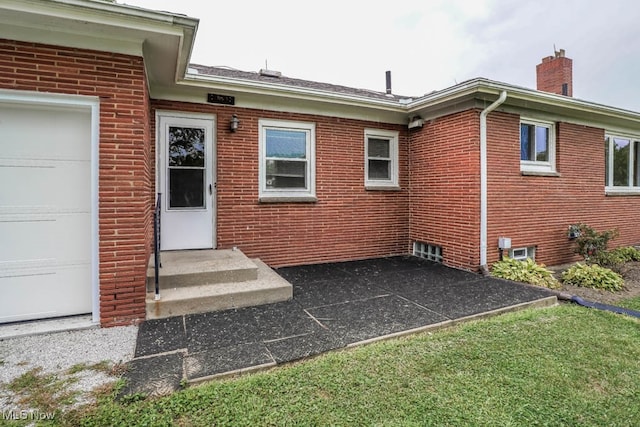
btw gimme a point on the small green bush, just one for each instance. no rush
(615, 258)
(591, 243)
(593, 276)
(626, 254)
(524, 271)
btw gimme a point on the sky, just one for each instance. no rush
(426, 44)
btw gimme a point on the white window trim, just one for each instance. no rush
(392, 136)
(293, 195)
(529, 251)
(537, 166)
(620, 190)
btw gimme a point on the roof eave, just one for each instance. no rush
(245, 86)
(488, 90)
(161, 37)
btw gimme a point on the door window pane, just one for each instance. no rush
(186, 146)
(186, 188)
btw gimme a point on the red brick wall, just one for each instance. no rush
(552, 72)
(125, 153)
(537, 210)
(445, 187)
(348, 222)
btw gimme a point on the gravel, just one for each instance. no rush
(56, 352)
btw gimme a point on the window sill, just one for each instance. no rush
(382, 188)
(540, 173)
(622, 191)
(287, 199)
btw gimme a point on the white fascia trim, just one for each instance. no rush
(130, 26)
(85, 9)
(92, 103)
(254, 87)
(569, 103)
(475, 87)
(490, 87)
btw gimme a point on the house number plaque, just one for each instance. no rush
(214, 98)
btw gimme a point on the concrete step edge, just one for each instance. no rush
(268, 288)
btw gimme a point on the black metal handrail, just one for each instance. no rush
(157, 263)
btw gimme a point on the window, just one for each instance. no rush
(622, 163)
(521, 254)
(537, 147)
(287, 160)
(428, 251)
(381, 158)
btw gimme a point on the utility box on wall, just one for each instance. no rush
(504, 242)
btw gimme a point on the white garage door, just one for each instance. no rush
(45, 211)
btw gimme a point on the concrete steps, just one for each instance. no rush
(199, 281)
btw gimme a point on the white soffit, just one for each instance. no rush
(163, 38)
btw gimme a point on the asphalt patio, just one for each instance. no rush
(334, 306)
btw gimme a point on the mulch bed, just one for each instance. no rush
(631, 274)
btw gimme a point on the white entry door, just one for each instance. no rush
(186, 181)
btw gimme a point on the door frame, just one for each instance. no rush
(91, 103)
(161, 161)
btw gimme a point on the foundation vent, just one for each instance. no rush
(428, 251)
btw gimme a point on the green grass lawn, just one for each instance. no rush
(632, 303)
(563, 365)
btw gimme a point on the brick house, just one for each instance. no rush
(100, 110)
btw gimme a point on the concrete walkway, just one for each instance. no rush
(334, 306)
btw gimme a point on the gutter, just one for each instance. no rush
(483, 179)
(282, 90)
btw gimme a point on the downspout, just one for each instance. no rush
(483, 180)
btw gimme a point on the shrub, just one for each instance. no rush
(590, 243)
(608, 259)
(614, 258)
(524, 271)
(593, 276)
(626, 254)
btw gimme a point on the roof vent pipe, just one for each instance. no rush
(388, 75)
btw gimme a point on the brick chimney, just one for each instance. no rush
(555, 74)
